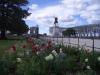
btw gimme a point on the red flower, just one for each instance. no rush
(43, 46)
(49, 42)
(48, 45)
(34, 48)
(29, 40)
(24, 46)
(14, 48)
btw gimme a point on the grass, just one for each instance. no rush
(4, 44)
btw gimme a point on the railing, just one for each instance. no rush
(85, 46)
(78, 45)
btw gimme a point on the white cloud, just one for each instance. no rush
(95, 1)
(33, 6)
(93, 7)
(46, 15)
(91, 13)
(65, 11)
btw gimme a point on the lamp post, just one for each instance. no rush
(93, 45)
(62, 39)
(93, 52)
(69, 40)
(77, 31)
(78, 41)
(37, 31)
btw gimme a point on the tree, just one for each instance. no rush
(20, 29)
(11, 14)
(69, 32)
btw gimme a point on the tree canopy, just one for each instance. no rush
(19, 29)
(12, 15)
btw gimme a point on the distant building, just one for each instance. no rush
(81, 31)
(34, 31)
(88, 30)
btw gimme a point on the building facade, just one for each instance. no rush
(34, 31)
(81, 31)
(88, 30)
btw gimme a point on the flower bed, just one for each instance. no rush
(39, 57)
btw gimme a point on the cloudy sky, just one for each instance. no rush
(69, 12)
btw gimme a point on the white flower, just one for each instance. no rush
(41, 49)
(61, 50)
(49, 57)
(89, 51)
(56, 43)
(54, 52)
(20, 54)
(86, 60)
(37, 52)
(88, 67)
(27, 53)
(80, 48)
(19, 59)
(98, 58)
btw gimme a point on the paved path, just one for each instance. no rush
(86, 43)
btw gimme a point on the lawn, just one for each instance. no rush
(5, 44)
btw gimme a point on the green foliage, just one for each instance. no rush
(73, 62)
(4, 45)
(11, 15)
(8, 64)
(20, 28)
(69, 32)
(94, 62)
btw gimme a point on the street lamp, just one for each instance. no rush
(78, 41)
(77, 32)
(69, 40)
(93, 37)
(37, 31)
(62, 39)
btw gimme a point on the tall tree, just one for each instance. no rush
(11, 14)
(19, 29)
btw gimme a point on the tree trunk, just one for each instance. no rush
(98, 72)
(3, 33)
